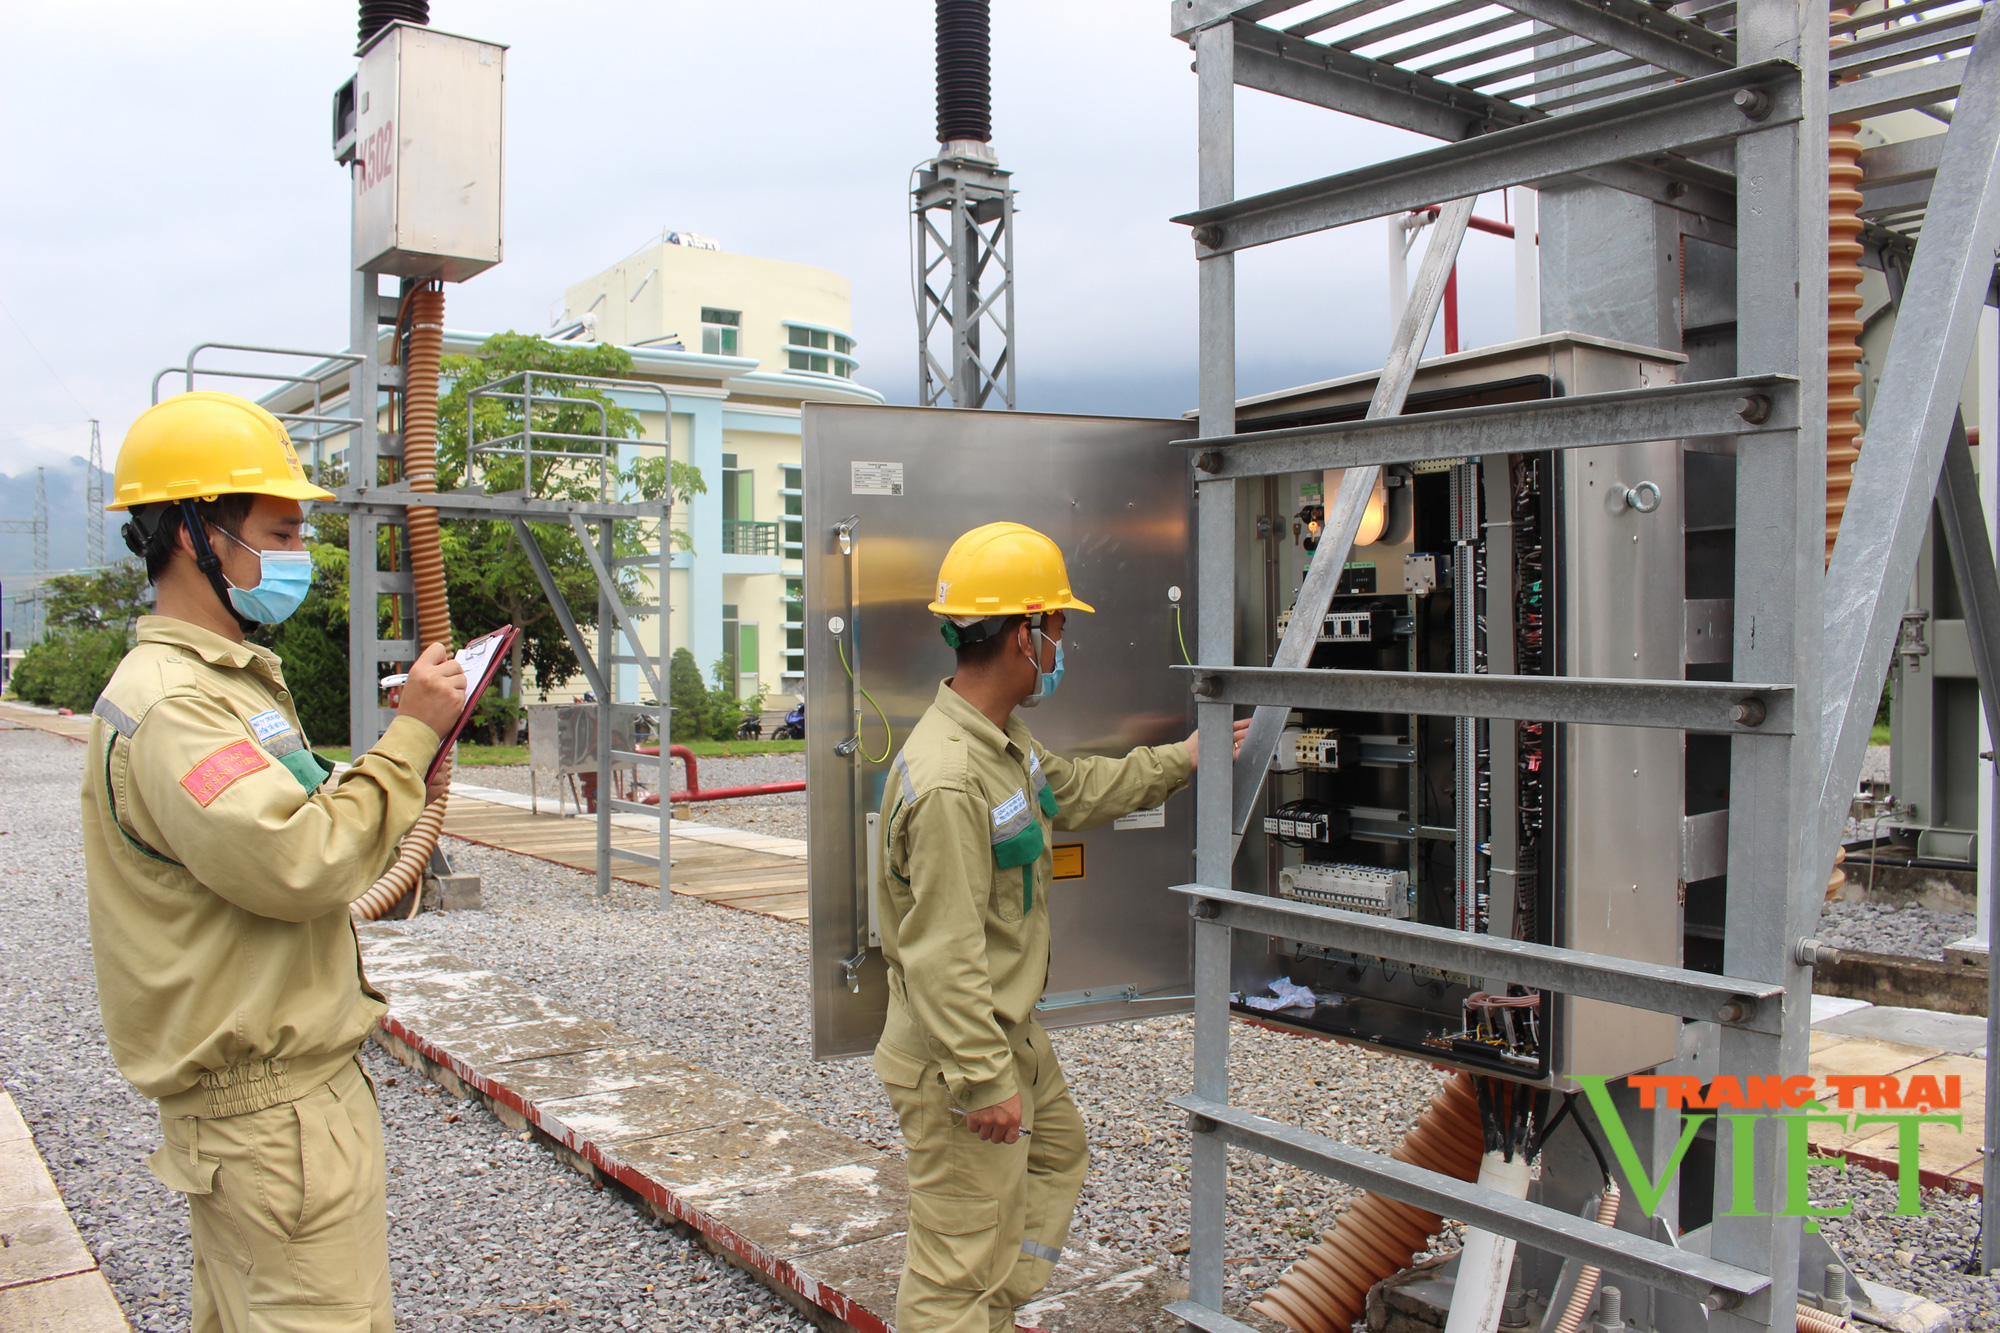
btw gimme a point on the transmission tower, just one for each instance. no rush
(41, 521)
(963, 216)
(93, 502)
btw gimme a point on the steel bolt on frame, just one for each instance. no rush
(1764, 90)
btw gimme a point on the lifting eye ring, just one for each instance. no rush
(1643, 498)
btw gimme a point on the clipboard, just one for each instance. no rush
(482, 659)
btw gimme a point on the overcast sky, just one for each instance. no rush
(169, 181)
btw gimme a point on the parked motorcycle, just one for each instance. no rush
(793, 728)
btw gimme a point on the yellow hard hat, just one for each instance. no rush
(203, 444)
(1004, 569)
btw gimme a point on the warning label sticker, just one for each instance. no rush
(1153, 818)
(1068, 857)
(876, 478)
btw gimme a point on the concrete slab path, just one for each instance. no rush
(815, 1214)
(49, 1283)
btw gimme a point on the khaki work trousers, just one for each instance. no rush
(288, 1212)
(987, 1220)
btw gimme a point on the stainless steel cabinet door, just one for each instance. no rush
(887, 490)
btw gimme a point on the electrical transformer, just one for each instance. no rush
(1527, 563)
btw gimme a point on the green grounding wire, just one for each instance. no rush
(888, 732)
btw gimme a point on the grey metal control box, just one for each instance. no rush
(427, 151)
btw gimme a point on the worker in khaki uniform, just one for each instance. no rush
(996, 1147)
(221, 863)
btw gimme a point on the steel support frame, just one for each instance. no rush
(1691, 114)
(387, 504)
(1776, 775)
(977, 238)
(1750, 405)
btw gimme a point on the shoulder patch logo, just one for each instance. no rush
(215, 774)
(269, 723)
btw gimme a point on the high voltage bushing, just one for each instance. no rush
(964, 71)
(379, 14)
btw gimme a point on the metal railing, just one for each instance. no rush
(744, 537)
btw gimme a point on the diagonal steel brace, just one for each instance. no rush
(1343, 517)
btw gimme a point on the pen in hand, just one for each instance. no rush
(960, 1112)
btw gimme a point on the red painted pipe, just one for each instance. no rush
(695, 792)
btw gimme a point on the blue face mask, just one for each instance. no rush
(1049, 680)
(284, 580)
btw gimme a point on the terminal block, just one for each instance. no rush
(1357, 888)
(1371, 625)
(1319, 748)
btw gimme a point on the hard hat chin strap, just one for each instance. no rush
(209, 563)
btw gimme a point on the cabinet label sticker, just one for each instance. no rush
(876, 478)
(1153, 818)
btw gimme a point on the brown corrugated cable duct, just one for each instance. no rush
(1843, 315)
(1843, 342)
(1819, 1321)
(1585, 1290)
(1326, 1290)
(420, 405)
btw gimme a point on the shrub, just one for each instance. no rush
(69, 669)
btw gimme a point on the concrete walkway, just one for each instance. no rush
(48, 1281)
(1853, 1037)
(816, 1215)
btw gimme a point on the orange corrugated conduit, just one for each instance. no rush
(1843, 316)
(1327, 1289)
(420, 408)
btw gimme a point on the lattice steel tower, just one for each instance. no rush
(93, 501)
(962, 214)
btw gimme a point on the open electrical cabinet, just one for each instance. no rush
(1524, 563)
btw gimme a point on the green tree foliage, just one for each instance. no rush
(110, 598)
(701, 712)
(89, 620)
(488, 577)
(70, 668)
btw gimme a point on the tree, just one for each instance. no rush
(70, 669)
(89, 629)
(488, 576)
(109, 598)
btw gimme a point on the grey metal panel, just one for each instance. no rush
(1705, 846)
(1675, 705)
(1115, 496)
(1648, 1261)
(1617, 819)
(1624, 416)
(1708, 626)
(1696, 112)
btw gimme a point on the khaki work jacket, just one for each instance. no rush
(962, 893)
(221, 864)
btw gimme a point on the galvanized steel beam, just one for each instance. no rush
(1700, 111)
(1750, 405)
(1896, 90)
(472, 502)
(1684, 1272)
(1729, 708)
(1344, 514)
(1656, 36)
(1909, 421)
(1967, 531)
(1592, 976)
(1342, 81)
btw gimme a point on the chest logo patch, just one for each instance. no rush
(1010, 809)
(215, 774)
(269, 723)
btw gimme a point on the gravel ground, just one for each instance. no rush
(782, 816)
(1913, 932)
(1927, 1254)
(488, 1232)
(485, 1231)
